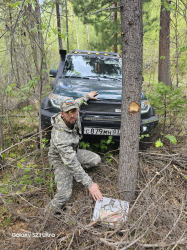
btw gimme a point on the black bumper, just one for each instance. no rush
(103, 120)
(46, 117)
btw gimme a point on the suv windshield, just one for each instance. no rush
(92, 66)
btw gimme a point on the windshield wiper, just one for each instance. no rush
(87, 77)
(73, 76)
(113, 78)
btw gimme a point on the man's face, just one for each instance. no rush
(70, 117)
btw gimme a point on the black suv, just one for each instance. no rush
(79, 73)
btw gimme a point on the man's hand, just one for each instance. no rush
(92, 94)
(96, 194)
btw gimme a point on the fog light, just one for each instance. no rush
(144, 128)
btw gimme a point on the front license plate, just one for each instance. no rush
(101, 131)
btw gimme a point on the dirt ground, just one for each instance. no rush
(157, 218)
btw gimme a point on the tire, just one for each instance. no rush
(145, 143)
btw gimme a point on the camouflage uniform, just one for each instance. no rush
(66, 159)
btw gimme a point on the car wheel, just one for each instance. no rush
(145, 143)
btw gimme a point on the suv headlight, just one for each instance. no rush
(56, 100)
(145, 105)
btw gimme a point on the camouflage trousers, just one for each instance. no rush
(64, 178)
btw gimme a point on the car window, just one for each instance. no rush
(91, 66)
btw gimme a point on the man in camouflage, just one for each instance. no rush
(64, 155)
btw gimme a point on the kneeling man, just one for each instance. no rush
(64, 156)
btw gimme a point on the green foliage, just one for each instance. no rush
(158, 143)
(27, 170)
(13, 5)
(166, 4)
(104, 145)
(19, 165)
(28, 108)
(8, 89)
(84, 145)
(70, 222)
(25, 179)
(108, 157)
(44, 142)
(182, 49)
(167, 99)
(7, 220)
(107, 24)
(171, 138)
(24, 188)
(3, 156)
(85, 103)
(30, 84)
(143, 136)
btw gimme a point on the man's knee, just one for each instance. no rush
(88, 159)
(64, 196)
(96, 160)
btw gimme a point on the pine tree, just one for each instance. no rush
(105, 17)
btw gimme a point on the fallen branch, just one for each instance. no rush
(117, 244)
(158, 173)
(113, 159)
(88, 226)
(180, 172)
(13, 115)
(26, 135)
(1, 152)
(163, 244)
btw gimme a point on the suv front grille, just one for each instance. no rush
(102, 106)
(101, 119)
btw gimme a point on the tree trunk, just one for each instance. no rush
(116, 34)
(1, 128)
(13, 52)
(164, 46)
(132, 61)
(87, 33)
(76, 31)
(176, 44)
(67, 26)
(59, 26)
(42, 79)
(43, 60)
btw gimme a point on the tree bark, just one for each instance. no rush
(42, 80)
(67, 26)
(32, 35)
(132, 61)
(88, 38)
(43, 60)
(59, 26)
(1, 128)
(164, 46)
(76, 31)
(116, 34)
(176, 44)
(13, 52)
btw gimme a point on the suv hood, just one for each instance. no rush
(107, 88)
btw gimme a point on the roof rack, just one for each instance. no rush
(75, 51)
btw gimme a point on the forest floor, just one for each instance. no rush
(157, 218)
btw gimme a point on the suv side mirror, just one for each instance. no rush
(53, 73)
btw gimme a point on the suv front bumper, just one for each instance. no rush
(108, 122)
